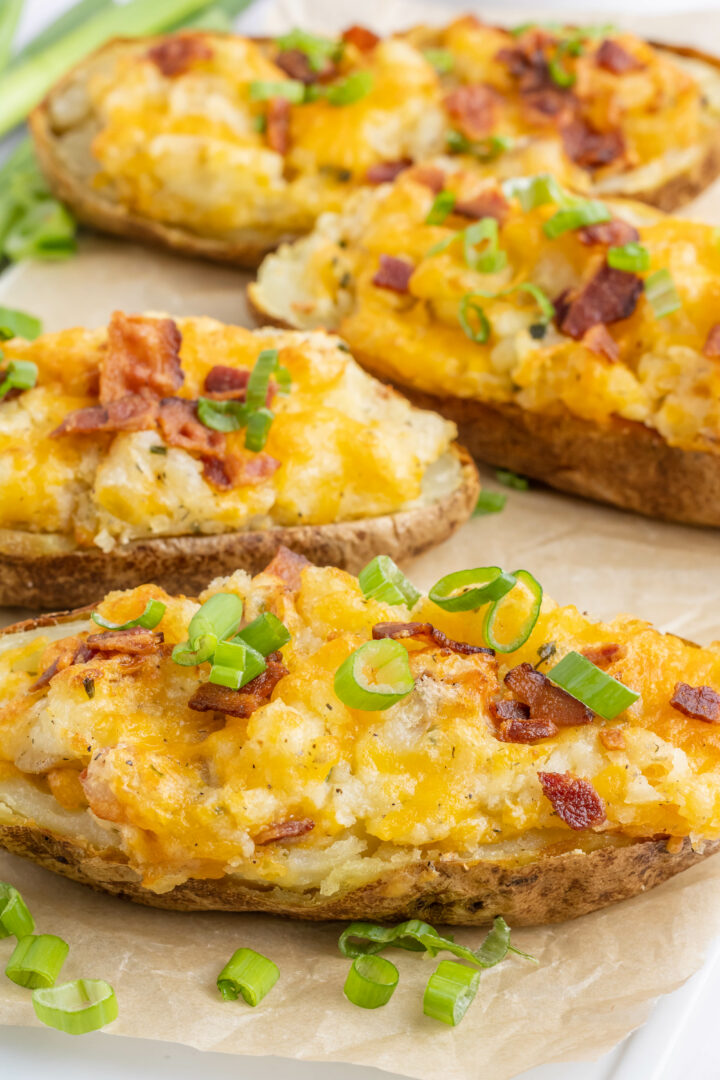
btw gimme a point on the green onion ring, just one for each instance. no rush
(258, 429)
(355, 87)
(265, 89)
(248, 973)
(19, 375)
(631, 257)
(217, 619)
(576, 216)
(151, 616)
(467, 304)
(535, 191)
(15, 917)
(37, 960)
(383, 580)
(450, 992)
(235, 664)
(375, 676)
(468, 590)
(266, 634)
(15, 323)
(442, 206)
(489, 502)
(660, 291)
(586, 682)
(76, 1007)
(441, 59)
(222, 415)
(523, 578)
(371, 981)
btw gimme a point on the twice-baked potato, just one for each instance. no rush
(221, 146)
(478, 787)
(571, 340)
(168, 450)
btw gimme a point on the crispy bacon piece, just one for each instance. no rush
(142, 357)
(180, 427)
(428, 633)
(604, 655)
(612, 233)
(546, 701)
(613, 57)
(598, 339)
(130, 413)
(72, 652)
(295, 63)
(212, 698)
(176, 55)
(284, 830)
(393, 274)
(513, 723)
(430, 176)
(384, 172)
(612, 738)
(611, 295)
(473, 109)
(697, 702)
(288, 566)
(136, 641)
(488, 203)
(235, 470)
(711, 348)
(590, 148)
(278, 125)
(575, 801)
(225, 382)
(549, 105)
(362, 38)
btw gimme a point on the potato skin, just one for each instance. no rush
(186, 563)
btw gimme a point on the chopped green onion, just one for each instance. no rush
(489, 502)
(491, 258)
(266, 634)
(587, 212)
(355, 87)
(527, 596)
(443, 204)
(535, 191)
(371, 981)
(450, 991)
(235, 663)
(547, 308)
(222, 415)
(512, 480)
(290, 89)
(383, 580)
(318, 50)
(258, 429)
(483, 149)
(259, 381)
(248, 973)
(661, 293)
(375, 676)
(18, 375)
(151, 616)
(18, 324)
(559, 74)
(23, 190)
(632, 257)
(469, 306)
(212, 18)
(441, 59)
(10, 11)
(15, 918)
(367, 938)
(216, 620)
(468, 590)
(37, 960)
(44, 231)
(76, 1007)
(595, 688)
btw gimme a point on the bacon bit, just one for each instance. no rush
(212, 698)
(295, 63)
(611, 295)
(284, 830)
(278, 125)
(130, 413)
(598, 339)
(697, 702)
(234, 470)
(180, 427)
(427, 632)
(528, 64)
(429, 176)
(288, 566)
(143, 357)
(384, 172)
(509, 710)
(604, 655)
(362, 38)
(225, 380)
(549, 104)
(613, 57)
(590, 148)
(136, 641)
(612, 738)
(546, 701)
(393, 274)
(575, 801)
(473, 109)
(525, 731)
(613, 233)
(711, 348)
(489, 203)
(176, 55)
(73, 652)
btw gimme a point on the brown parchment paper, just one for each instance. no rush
(597, 977)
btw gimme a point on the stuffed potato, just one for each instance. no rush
(430, 776)
(163, 449)
(572, 340)
(222, 146)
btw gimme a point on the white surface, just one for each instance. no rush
(678, 1042)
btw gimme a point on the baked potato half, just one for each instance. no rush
(574, 341)
(220, 146)
(167, 450)
(481, 788)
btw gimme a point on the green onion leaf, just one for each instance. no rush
(450, 991)
(18, 375)
(151, 616)
(76, 1007)
(37, 960)
(371, 981)
(661, 293)
(18, 324)
(595, 688)
(266, 634)
(265, 89)
(489, 502)
(258, 429)
(480, 333)
(248, 973)
(15, 918)
(235, 663)
(212, 18)
(319, 50)
(441, 59)
(535, 191)
(366, 938)
(483, 149)
(355, 87)
(10, 11)
(443, 204)
(44, 230)
(468, 590)
(521, 603)
(490, 259)
(375, 676)
(383, 580)
(217, 619)
(222, 415)
(512, 480)
(587, 212)
(259, 381)
(631, 257)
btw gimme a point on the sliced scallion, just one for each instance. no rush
(15, 918)
(355, 87)
(248, 973)
(259, 381)
(371, 981)
(486, 149)
(535, 191)
(258, 429)
(480, 332)
(318, 50)
(577, 216)
(151, 616)
(266, 634)
(489, 502)
(375, 676)
(18, 324)
(512, 480)
(450, 991)
(490, 259)
(366, 938)
(595, 688)
(661, 293)
(217, 619)
(222, 415)
(632, 257)
(76, 1007)
(383, 580)
(291, 90)
(441, 59)
(235, 663)
(18, 375)
(442, 206)
(468, 590)
(511, 619)
(561, 75)
(37, 960)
